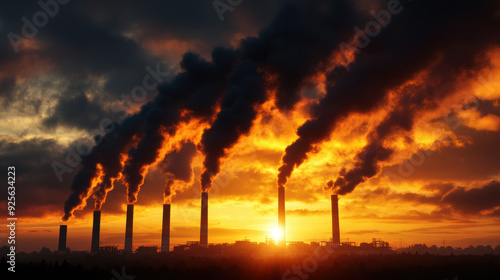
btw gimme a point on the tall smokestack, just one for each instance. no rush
(335, 220)
(204, 220)
(128, 228)
(165, 232)
(63, 230)
(96, 231)
(281, 215)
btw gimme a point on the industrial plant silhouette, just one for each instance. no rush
(195, 246)
(244, 259)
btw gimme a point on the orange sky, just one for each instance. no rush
(242, 203)
(433, 189)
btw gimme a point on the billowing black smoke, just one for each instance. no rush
(452, 39)
(195, 90)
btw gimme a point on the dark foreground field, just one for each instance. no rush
(349, 267)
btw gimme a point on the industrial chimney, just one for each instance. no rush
(128, 228)
(96, 229)
(281, 215)
(204, 220)
(335, 220)
(63, 230)
(165, 232)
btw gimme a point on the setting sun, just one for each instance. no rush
(250, 139)
(276, 234)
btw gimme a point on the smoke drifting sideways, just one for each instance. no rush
(193, 93)
(450, 44)
(234, 119)
(177, 167)
(300, 43)
(294, 48)
(298, 56)
(414, 101)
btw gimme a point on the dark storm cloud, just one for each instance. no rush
(76, 111)
(6, 88)
(38, 188)
(87, 40)
(77, 47)
(186, 20)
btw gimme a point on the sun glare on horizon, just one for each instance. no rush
(276, 233)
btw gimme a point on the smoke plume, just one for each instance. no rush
(302, 41)
(414, 100)
(402, 50)
(294, 48)
(195, 89)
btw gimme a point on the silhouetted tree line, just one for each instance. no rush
(418, 264)
(434, 250)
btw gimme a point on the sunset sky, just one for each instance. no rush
(405, 128)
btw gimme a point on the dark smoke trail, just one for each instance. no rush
(112, 149)
(112, 173)
(374, 152)
(299, 42)
(81, 187)
(107, 155)
(197, 91)
(197, 88)
(415, 99)
(295, 47)
(407, 46)
(234, 119)
(168, 190)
